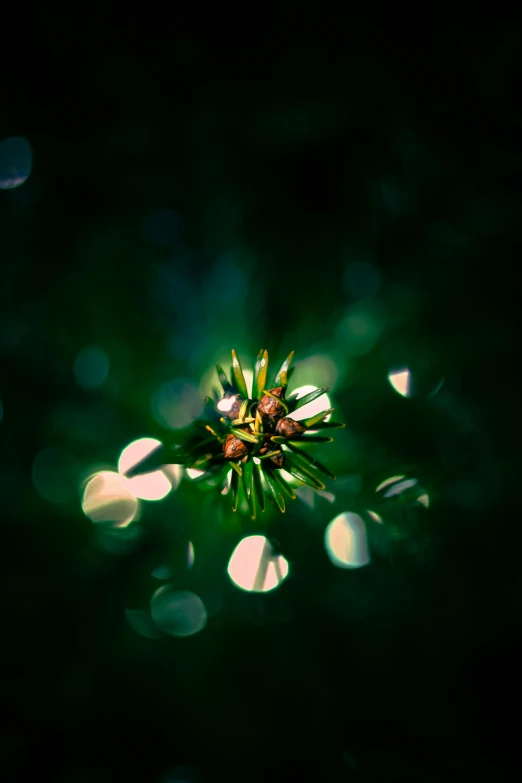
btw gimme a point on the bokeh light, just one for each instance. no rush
(16, 162)
(387, 482)
(118, 540)
(141, 622)
(401, 381)
(416, 379)
(195, 473)
(399, 487)
(346, 541)
(54, 474)
(405, 490)
(108, 498)
(148, 486)
(320, 369)
(178, 612)
(226, 404)
(91, 368)
(361, 327)
(255, 567)
(311, 408)
(175, 404)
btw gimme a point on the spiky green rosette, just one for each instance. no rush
(251, 439)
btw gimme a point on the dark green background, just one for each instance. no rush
(288, 147)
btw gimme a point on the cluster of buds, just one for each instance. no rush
(251, 438)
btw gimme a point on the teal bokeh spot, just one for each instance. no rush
(91, 368)
(16, 162)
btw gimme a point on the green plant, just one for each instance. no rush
(252, 438)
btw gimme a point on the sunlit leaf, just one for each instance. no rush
(275, 490)
(237, 375)
(316, 419)
(284, 485)
(249, 437)
(296, 467)
(248, 484)
(270, 454)
(312, 439)
(258, 487)
(243, 409)
(260, 371)
(163, 455)
(326, 425)
(227, 387)
(202, 462)
(237, 468)
(284, 369)
(234, 487)
(311, 459)
(247, 476)
(294, 403)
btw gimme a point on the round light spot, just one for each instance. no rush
(154, 485)
(162, 572)
(361, 327)
(141, 622)
(321, 368)
(311, 408)
(16, 162)
(226, 404)
(176, 404)
(255, 567)
(178, 612)
(91, 368)
(54, 475)
(108, 498)
(346, 542)
(414, 384)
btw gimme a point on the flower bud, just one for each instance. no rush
(289, 428)
(278, 459)
(271, 410)
(234, 448)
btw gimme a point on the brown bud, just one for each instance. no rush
(289, 428)
(278, 459)
(271, 410)
(234, 448)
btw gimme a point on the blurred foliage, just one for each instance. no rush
(349, 193)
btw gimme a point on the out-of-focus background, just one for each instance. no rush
(167, 193)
